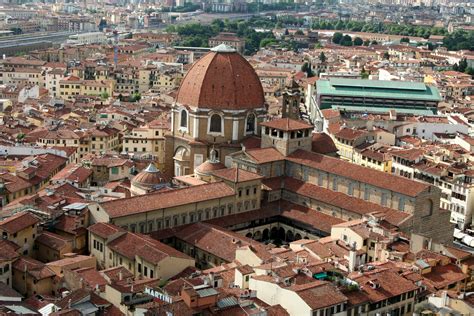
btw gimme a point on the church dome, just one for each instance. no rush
(221, 80)
(149, 177)
(210, 165)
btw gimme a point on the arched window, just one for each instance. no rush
(216, 124)
(184, 119)
(250, 128)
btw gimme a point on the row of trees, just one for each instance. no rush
(393, 29)
(197, 35)
(346, 40)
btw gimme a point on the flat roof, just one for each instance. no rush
(383, 109)
(377, 84)
(378, 89)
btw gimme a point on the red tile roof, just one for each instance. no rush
(52, 240)
(18, 222)
(264, 155)
(221, 81)
(130, 245)
(320, 294)
(166, 199)
(322, 143)
(8, 250)
(358, 173)
(349, 133)
(387, 284)
(287, 124)
(311, 217)
(216, 240)
(231, 174)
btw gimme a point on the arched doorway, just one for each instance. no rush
(297, 236)
(281, 233)
(265, 234)
(274, 233)
(249, 235)
(289, 235)
(257, 235)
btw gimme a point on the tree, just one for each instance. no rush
(346, 41)
(366, 42)
(364, 74)
(307, 68)
(136, 97)
(405, 40)
(104, 95)
(463, 65)
(470, 71)
(337, 37)
(299, 32)
(358, 41)
(266, 41)
(374, 42)
(386, 55)
(322, 57)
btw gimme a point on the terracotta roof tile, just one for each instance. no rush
(221, 81)
(171, 198)
(358, 173)
(18, 222)
(287, 124)
(231, 174)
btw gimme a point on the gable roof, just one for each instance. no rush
(358, 173)
(166, 199)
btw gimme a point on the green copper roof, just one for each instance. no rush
(378, 89)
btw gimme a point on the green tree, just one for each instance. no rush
(404, 40)
(386, 55)
(367, 43)
(463, 65)
(337, 37)
(364, 74)
(322, 57)
(307, 68)
(358, 41)
(135, 97)
(470, 71)
(374, 42)
(266, 41)
(104, 95)
(346, 41)
(299, 32)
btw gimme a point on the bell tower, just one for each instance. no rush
(291, 101)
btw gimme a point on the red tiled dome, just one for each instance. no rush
(221, 80)
(208, 166)
(149, 177)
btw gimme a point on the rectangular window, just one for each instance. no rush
(139, 268)
(350, 189)
(401, 203)
(320, 179)
(334, 184)
(366, 193)
(384, 199)
(115, 170)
